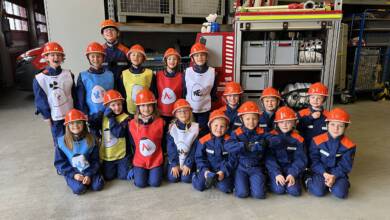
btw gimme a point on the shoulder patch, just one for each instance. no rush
(304, 112)
(226, 137)
(319, 139)
(205, 138)
(259, 130)
(298, 137)
(123, 48)
(347, 142)
(273, 132)
(223, 108)
(238, 131)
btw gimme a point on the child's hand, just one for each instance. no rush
(329, 179)
(221, 175)
(290, 180)
(78, 177)
(87, 180)
(316, 115)
(186, 171)
(280, 180)
(108, 112)
(175, 171)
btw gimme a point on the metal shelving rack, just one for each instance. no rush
(326, 22)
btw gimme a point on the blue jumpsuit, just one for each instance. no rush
(250, 148)
(266, 121)
(173, 157)
(334, 156)
(67, 162)
(309, 127)
(211, 156)
(285, 156)
(235, 120)
(116, 60)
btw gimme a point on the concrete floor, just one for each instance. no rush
(31, 189)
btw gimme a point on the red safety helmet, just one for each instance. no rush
(171, 51)
(137, 48)
(270, 92)
(179, 104)
(74, 115)
(285, 114)
(218, 114)
(248, 107)
(108, 23)
(232, 88)
(198, 48)
(52, 47)
(145, 96)
(318, 89)
(95, 47)
(112, 95)
(338, 114)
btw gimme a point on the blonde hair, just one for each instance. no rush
(68, 138)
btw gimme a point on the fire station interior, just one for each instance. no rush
(352, 57)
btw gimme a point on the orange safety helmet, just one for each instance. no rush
(270, 92)
(218, 114)
(145, 96)
(52, 47)
(112, 95)
(248, 107)
(318, 89)
(285, 114)
(198, 48)
(137, 48)
(74, 115)
(95, 47)
(232, 88)
(179, 104)
(338, 114)
(171, 51)
(108, 23)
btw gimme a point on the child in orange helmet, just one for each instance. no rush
(232, 96)
(54, 90)
(332, 154)
(91, 86)
(147, 130)
(77, 155)
(270, 100)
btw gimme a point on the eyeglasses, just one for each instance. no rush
(183, 111)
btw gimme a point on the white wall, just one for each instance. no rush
(73, 24)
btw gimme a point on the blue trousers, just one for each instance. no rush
(97, 183)
(294, 190)
(144, 177)
(202, 119)
(181, 178)
(316, 186)
(116, 169)
(249, 182)
(57, 130)
(198, 182)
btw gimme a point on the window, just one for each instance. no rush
(17, 16)
(41, 22)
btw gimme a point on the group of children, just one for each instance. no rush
(108, 126)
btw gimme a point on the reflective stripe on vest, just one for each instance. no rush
(169, 90)
(184, 139)
(78, 156)
(147, 139)
(58, 90)
(112, 148)
(199, 87)
(133, 83)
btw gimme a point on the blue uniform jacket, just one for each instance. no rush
(285, 155)
(116, 59)
(310, 127)
(334, 156)
(266, 121)
(231, 113)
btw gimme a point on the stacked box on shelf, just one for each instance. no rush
(145, 8)
(198, 9)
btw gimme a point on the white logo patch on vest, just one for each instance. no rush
(183, 150)
(147, 147)
(57, 96)
(197, 93)
(97, 94)
(136, 88)
(109, 139)
(168, 96)
(80, 162)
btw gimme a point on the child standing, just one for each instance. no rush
(181, 137)
(215, 166)
(77, 156)
(248, 142)
(54, 90)
(270, 100)
(232, 95)
(332, 155)
(285, 159)
(200, 86)
(136, 77)
(169, 84)
(115, 59)
(92, 84)
(147, 131)
(115, 149)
